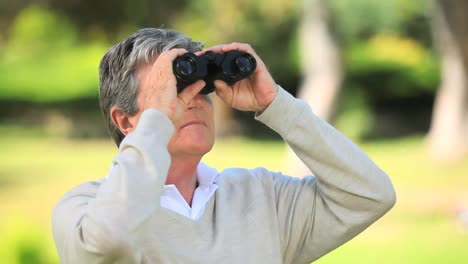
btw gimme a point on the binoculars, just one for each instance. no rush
(229, 67)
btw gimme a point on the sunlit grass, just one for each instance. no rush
(35, 171)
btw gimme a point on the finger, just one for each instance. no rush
(191, 91)
(237, 46)
(217, 48)
(162, 68)
(167, 57)
(224, 91)
(171, 54)
(243, 47)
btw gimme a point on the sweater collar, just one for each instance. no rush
(206, 175)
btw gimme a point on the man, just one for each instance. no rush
(159, 204)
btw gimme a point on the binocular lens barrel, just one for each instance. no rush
(186, 66)
(244, 63)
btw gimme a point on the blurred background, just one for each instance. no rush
(392, 75)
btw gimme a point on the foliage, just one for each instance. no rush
(45, 61)
(49, 57)
(25, 243)
(37, 31)
(409, 67)
(360, 19)
(355, 119)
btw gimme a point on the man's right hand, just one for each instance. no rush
(159, 86)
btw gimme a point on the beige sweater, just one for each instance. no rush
(255, 216)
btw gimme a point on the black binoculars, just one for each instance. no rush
(229, 67)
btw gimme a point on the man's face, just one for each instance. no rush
(194, 131)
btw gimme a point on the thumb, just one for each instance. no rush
(191, 91)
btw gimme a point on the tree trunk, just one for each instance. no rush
(448, 135)
(321, 60)
(322, 67)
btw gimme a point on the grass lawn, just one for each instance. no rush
(35, 171)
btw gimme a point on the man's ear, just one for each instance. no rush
(122, 120)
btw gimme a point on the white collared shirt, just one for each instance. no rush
(172, 199)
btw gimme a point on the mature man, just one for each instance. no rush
(160, 204)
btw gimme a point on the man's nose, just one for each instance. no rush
(198, 101)
(195, 102)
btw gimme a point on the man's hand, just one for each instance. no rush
(159, 86)
(251, 94)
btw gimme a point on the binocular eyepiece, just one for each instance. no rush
(229, 67)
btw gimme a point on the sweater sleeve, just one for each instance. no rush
(347, 193)
(100, 223)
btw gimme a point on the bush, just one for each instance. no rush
(391, 65)
(24, 243)
(44, 61)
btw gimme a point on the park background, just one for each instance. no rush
(392, 75)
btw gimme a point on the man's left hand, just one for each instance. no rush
(251, 94)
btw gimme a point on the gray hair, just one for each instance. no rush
(117, 81)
